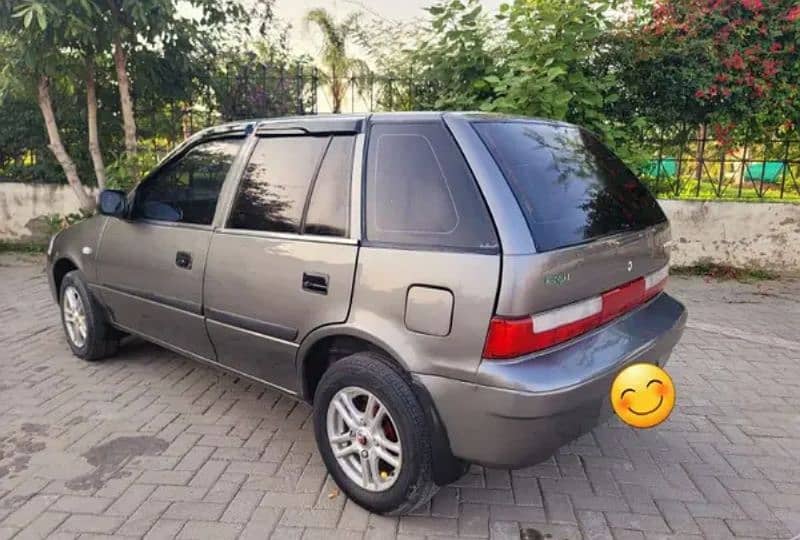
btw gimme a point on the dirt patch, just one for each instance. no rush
(34, 429)
(110, 458)
(16, 450)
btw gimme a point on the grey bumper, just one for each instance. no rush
(522, 411)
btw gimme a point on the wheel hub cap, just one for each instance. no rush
(364, 439)
(74, 315)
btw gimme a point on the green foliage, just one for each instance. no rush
(455, 59)
(10, 246)
(126, 171)
(724, 272)
(732, 65)
(549, 62)
(338, 65)
(172, 60)
(58, 222)
(544, 58)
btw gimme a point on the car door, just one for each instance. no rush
(150, 266)
(283, 264)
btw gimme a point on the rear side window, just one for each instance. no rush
(329, 207)
(571, 188)
(420, 191)
(275, 185)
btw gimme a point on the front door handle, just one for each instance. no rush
(316, 283)
(183, 260)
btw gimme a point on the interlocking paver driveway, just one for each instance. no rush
(150, 444)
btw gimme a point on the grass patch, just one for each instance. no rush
(9, 246)
(723, 272)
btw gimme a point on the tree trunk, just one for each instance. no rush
(336, 92)
(91, 119)
(701, 151)
(126, 102)
(57, 147)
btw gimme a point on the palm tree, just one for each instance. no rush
(337, 64)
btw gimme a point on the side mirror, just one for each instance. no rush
(112, 202)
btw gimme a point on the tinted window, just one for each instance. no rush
(421, 192)
(570, 187)
(187, 189)
(328, 210)
(275, 184)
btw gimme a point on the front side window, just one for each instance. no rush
(275, 185)
(420, 191)
(187, 189)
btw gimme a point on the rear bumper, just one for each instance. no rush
(523, 410)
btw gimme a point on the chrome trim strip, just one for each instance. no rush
(355, 188)
(288, 236)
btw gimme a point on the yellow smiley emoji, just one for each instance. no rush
(643, 395)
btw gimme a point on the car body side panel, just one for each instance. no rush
(255, 303)
(146, 291)
(383, 278)
(79, 245)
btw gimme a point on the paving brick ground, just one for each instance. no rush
(152, 445)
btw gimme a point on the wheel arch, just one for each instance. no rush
(323, 348)
(61, 267)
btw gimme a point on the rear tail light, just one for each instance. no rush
(656, 282)
(513, 337)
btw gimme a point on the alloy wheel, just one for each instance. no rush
(74, 317)
(364, 439)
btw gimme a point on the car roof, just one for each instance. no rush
(354, 123)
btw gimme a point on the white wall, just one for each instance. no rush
(760, 235)
(20, 203)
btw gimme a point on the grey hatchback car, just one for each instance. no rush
(442, 288)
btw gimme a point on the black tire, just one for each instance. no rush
(373, 372)
(102, 340)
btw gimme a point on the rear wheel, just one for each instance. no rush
(88, 333)
(373, 436)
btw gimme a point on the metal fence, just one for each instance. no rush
(698, 166)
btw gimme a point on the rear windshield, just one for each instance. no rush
(571, 188)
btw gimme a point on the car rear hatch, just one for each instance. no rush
(600, 236)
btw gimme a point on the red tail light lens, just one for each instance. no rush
(510, 338)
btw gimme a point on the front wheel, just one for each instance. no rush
(88, 333)
(373, 435)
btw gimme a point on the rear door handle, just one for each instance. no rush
(183, 260)
(316, 283)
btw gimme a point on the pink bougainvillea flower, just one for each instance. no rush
(734, 61)
(753, 5)
(770, 68)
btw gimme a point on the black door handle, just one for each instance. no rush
(183, 260)
(316, 283)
